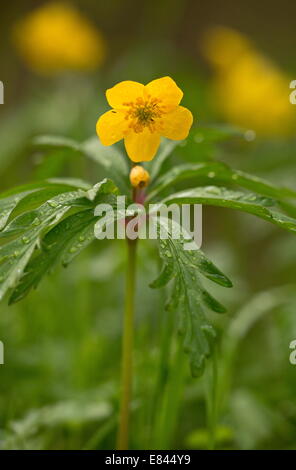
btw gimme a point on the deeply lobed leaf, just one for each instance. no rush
(188, 295)
(35, 238)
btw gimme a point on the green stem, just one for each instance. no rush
(127, 349)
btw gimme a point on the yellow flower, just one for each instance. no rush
(249, 90)
(139, 177)
(142, 114)
(56, 37)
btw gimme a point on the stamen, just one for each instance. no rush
(144, 113)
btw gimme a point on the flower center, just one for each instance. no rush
(143, 113)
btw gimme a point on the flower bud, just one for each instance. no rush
(139, 177)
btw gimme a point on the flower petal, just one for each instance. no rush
(111, 127)
(176, 124)
(143, 146)
(124, 92)
(166, 90)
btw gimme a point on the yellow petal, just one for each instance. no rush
(124, 92)
(176, 124)
(143, 146)
(111, 127)
(166, 90)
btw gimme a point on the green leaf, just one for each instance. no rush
(10, 199)
(245, 202)
(105, 186)
(217, 133)
(110, 158)
(166, 147)
(53, 209)
(7, 205)
(74, 182)
(55, 141)
(26, 196)
(62, 243)
(29, 227)
(207, 135)
(183, 267)
(217, 173)
(36, 226)
(14, 257)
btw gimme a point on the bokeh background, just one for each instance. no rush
(59, 384)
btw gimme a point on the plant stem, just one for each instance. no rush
(127, 349)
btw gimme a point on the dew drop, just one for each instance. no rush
(198, 138)
(250, 135)
(213, 190)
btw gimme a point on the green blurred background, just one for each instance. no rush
(59, 384)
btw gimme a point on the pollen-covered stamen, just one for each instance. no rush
(144, 113)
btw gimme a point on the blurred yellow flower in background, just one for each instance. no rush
(56, 37)
(248, 89)
(141, 114)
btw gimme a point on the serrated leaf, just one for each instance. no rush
(188, 295)
(10, 199)
(106, 186)
(7, 205)
(31, 225)
(15, 254)
(166, 275)
(207, 268)
(245, 202)
(62, 243)
(47, 213)
(13, 260)
(217, 173)
(27, 196)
